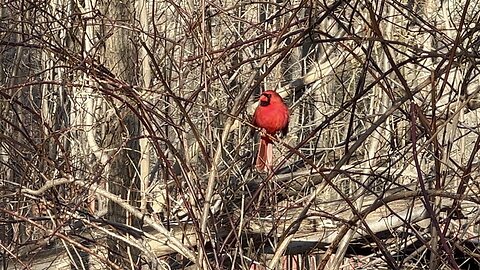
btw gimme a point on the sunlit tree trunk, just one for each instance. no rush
(145, 73)
(123, 176)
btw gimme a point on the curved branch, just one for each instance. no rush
(169, 240)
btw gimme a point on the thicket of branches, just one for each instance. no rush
(126, 137)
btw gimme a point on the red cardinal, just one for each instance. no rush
(271, 116)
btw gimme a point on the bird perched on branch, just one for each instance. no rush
(271, 116)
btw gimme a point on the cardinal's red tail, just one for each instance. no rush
(265, 155)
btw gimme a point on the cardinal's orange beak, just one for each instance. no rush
(263, 98)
